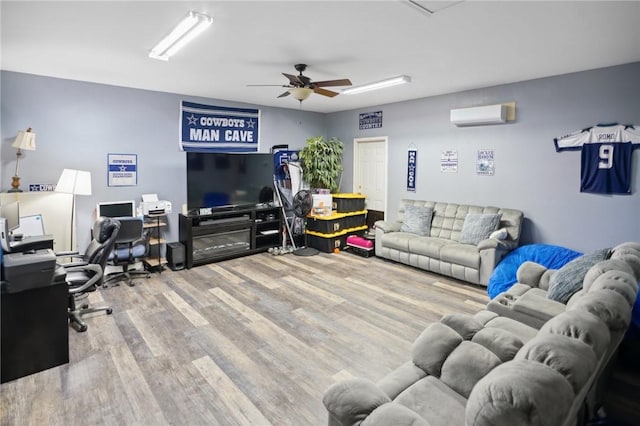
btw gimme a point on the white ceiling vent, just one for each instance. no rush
(475, 116)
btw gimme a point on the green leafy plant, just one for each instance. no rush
(322, 162)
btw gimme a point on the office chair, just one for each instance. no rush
(132, 244)
(86, 272)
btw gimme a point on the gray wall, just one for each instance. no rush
(78, 124)
(529, 174)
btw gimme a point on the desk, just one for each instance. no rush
(34, 330)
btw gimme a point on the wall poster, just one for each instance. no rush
(122, 169)
(449, 161)
(484, 162)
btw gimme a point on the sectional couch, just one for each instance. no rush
(490, 369)
(458, 240)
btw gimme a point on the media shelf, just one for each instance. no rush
(229, 232)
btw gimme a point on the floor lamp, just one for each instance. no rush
(74, 182)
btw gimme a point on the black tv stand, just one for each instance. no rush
(228, 232)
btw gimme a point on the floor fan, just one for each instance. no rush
(302, 205)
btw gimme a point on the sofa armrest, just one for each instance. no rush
(534, 275)
(386, 226)
(349, 402)
(492, 251)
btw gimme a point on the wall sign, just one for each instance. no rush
(218, 129)
(122, 169)
(42, 187)
(370, 120)
(412, 164)
(484, 162)
(449, 161)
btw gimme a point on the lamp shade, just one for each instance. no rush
(77, 182)
(300, 93)
(25, 140)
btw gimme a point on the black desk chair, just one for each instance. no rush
(132, 244)
(85, 272)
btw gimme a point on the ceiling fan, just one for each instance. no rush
(301, 86)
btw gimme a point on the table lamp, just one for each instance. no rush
(24, 140)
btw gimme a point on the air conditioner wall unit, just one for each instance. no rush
(475, 116)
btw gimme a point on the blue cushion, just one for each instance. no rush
(549, 256)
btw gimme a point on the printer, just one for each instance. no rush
(150, 205)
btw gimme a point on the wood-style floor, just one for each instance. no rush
(248, 341)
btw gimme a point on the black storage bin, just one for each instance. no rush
(347, 203)
(327, 243)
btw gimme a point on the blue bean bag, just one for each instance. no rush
(550, 256)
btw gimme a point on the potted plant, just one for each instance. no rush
(322, 162)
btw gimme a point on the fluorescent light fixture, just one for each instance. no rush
(401, 79)
(192, 25)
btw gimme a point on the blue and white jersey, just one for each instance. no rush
(606, 157)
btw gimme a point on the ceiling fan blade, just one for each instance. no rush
(325, 92)
(267, 85)
(294, 79)
(328, 83)
(284, 94)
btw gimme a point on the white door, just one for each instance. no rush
(370, 171)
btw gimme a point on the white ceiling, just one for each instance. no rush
(463, 45)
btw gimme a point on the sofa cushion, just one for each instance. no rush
(600, 268)
(520, 392)
(352, 400)
(429, 247)
(617, 281)
(464, 325)
(467, 364)
(434, 401)
(433, 346)
(395, 414)
(478, 227)
(502, 343)
(569, 278)
(583, 326)
(400, 379)
(461, 254)
(572, 358)
(609, 306)
(398, 240)
(521, 330)
(417, 220)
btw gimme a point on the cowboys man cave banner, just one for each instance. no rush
(218, 129)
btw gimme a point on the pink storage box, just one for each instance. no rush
(360, 242)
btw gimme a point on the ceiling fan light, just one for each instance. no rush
(300, 93)
(190, 26)
(394, 81)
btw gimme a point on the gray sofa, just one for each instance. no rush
(493, 370)
(441, 249)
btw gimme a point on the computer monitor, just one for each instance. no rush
(11, 213)
(31, 226)
(116, 208)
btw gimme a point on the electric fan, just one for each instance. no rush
(302, 205)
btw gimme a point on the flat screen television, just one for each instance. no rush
(224, 180)
(116, 208)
